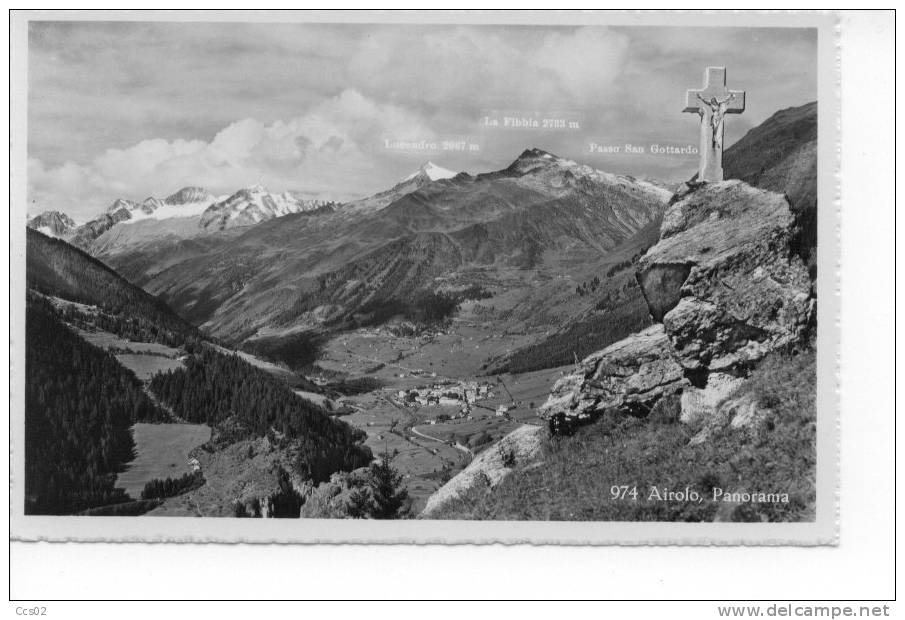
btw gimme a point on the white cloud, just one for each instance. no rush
(508, 67)
(328, 151)
(316, 100)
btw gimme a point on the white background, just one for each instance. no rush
(860, 568)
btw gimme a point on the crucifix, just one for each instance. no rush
(712, 104)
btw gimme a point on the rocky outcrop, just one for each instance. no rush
(738, 412)
(519, 448)
(630, 375)
(745, 293)
(53, 224)
(86, 233)
(700, 404)
(727, 289)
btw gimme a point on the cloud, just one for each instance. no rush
(98, 85)
(509, 67)
(138, 109)
(330, 151)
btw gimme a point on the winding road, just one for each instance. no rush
(456, 445)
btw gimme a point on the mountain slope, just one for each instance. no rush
(302, 272)
(428, 173)
(57, 269)
(780, 155)
(82, 400)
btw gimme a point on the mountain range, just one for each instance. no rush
(257, 264)
(191, 211)
(313, 270)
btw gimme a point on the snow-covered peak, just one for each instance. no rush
(428, 173)
(554, 171)
(189, 195)
(122, 203)
(255, 189)
(53, 224)
(432, 172)
(255, 204)
(187, 202)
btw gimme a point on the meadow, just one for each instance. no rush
(161, 451)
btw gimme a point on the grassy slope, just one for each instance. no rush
(578, 472)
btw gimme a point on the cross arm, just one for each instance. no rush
(736, 105)
(695, 100)
(692, 103)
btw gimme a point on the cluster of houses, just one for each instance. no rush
(456, 394)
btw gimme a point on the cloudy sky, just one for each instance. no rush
(341, 111)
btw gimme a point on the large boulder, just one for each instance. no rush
(630, 375)
(723, 278)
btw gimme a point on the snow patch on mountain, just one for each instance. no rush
(428, 173)
(253, 205)
(431, 172)
(53, 224)
(187, 202)
(545, 166)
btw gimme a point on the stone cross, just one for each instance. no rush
(712, 103)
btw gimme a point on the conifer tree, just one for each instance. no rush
(387, 492)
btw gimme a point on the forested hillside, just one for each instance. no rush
(243, 401)
(79, 405)
(53, 267)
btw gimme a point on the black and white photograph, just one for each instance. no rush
(428, 273)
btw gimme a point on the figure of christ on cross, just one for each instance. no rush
(718, 109)
(712, 103)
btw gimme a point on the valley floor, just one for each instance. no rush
(430, 443)
(434, 442)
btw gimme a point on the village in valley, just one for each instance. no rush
(465, 395)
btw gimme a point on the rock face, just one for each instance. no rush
(700, 404)
(53, 224)
(630, 375)
(727, 289)
(745, 294)
(517, 449)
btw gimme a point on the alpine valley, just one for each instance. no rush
(259, 349)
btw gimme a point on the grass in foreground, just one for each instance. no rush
(576, 478)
